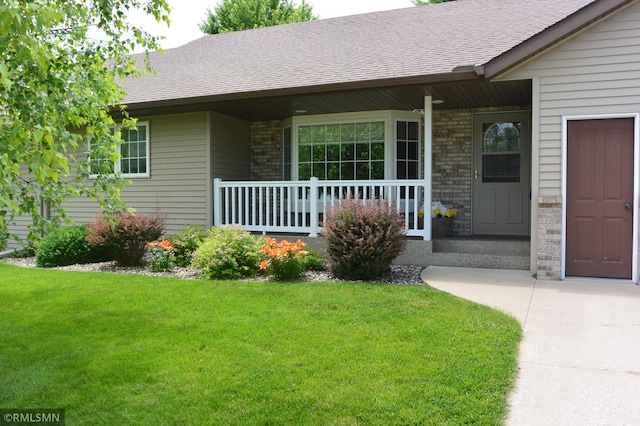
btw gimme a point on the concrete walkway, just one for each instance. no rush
(580, 356)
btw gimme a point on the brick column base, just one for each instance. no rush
(549, 254)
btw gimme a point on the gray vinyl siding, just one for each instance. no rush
(596, 72)
(230, 149)
(177, 186)
(19, 230)
(179, 157)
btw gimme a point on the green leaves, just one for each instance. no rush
(4, 77)
(60, 61)
(237, 15)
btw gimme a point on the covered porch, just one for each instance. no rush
(424, 144)
(422, 148)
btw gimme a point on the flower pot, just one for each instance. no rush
(440, 226)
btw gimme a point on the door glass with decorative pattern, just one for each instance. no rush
(501, 156)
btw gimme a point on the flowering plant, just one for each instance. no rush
(285, 259)
(450, 213)
(228, 252)
(186, 242)
(162, 258)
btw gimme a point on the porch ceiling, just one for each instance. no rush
(456, 95)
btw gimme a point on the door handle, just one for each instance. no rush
(627, 206)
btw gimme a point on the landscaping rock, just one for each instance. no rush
(399, 274)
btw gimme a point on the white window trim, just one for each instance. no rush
(389, 117)
(116, 165)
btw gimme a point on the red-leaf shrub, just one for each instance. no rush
(362, 238)
(125, 236)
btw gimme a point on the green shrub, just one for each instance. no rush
(28, 251)
(125, 236)
(228, 252)
(67, 246)
(362, 238)
(186, 242)
(285, 260)
(314, 260)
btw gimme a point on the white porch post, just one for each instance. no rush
(313, 207)
(217, 203)
(428, 144)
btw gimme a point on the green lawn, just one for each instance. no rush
(124, 349)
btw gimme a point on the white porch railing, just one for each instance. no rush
(298, 206)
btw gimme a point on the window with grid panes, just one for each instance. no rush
(134, 154)
(348, 151)
(407, 150)
(133, 151)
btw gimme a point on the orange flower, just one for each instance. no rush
(165, 244)
(284, 248)
(264, 264)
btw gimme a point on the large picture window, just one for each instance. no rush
(346, 151)
(134, 154)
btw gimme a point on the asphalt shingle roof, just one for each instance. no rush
(416, 41)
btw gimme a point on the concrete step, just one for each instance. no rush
(485, 261)
(507, 247)
(481, 253)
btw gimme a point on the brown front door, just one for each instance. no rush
(600, 198)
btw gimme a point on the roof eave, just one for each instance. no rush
(552, 36)
(454, 76)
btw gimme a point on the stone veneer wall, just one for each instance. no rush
(266, 150)
(549, 237)
(451, 152)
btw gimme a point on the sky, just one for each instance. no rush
(186, 15)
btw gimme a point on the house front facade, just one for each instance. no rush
(585, 113)
(526, 123)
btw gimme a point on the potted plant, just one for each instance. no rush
(441, 222)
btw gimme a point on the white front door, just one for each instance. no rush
(501, 173)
